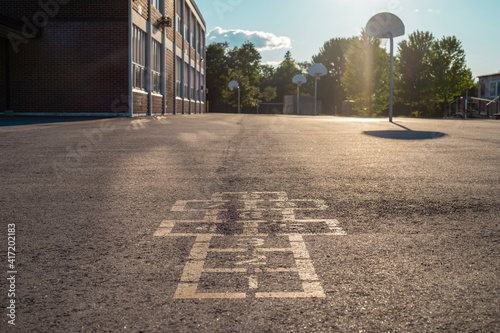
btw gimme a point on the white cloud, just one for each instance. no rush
(263, 41)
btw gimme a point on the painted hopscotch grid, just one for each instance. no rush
(251, 220)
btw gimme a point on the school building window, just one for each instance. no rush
(178, 23)
(139, 58)
(156, 67)
(156, 4)
(178, 75)
(191, 83)
(186, 79)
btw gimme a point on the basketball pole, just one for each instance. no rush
(316, 96)
(391, 98)
(239, 103)
(298, 99)
(383, 26)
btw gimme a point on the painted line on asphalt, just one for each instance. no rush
(251, 259)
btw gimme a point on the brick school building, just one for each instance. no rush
(101, 58)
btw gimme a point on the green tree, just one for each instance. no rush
(283, 76)
(448, 70)
(308, 88)
(244, 67)
(269, 94)
(333, 56)
(412, 71)
(267, 73)
(266, 76)
(366, 77)
(217, 73)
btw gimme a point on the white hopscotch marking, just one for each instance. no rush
(251, 230)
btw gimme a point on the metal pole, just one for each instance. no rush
(391, 98)
(298, 99)
(316, 96)
(239, 106)
(467, 101)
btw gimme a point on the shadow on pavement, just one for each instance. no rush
(406, 134)
(21, 121)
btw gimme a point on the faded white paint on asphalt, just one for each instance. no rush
(251, 257)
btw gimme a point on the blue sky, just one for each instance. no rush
(303, 26)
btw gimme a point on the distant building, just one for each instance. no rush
(95, 57)
(489, 89)
(489, 86)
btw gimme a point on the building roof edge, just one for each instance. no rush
(488, 75)
(193, 2)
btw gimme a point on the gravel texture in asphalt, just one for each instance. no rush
(248, 223)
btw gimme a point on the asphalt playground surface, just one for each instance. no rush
(248, 223)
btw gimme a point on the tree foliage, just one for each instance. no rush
(366, 77)
(217, 72)
(244, 65)
(333, 56)
(282, 78)
(427, 72)
(431, 71)
(413, 70)
(269, 94)
(448, 70)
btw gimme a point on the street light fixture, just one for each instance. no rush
(235, 85)
(387, 25)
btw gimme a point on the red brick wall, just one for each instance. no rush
(157, 104)
(179, 104)
(187, 106)
(170, 81)
(155, 14)
(73, 9)
(79, 63)
(169, 12)
(141, 103)
(3, 73)
(144, 4)
(73, 67)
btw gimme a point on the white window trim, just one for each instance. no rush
(178, 23)
(497, 83)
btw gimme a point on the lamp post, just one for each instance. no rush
(387, 25)
(317, 71)
(299, 80)
(234, 85)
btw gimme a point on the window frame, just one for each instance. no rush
(156, 4)
(494, 89)
(178, 77)
(156, 67)
(178, 23)
(138, 58)
(186, 81)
